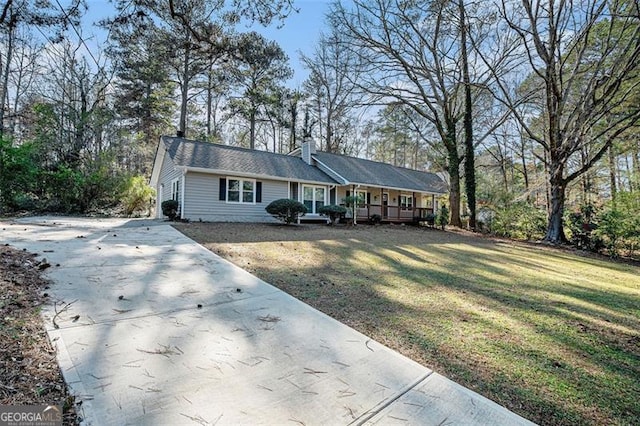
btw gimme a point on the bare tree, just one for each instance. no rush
(419, 54)
(24, 73)
(331, 86)
(28, 13)
(585, 57)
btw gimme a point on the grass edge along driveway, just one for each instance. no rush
(550, 335)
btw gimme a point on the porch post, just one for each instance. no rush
(413, 204)
(355, 205)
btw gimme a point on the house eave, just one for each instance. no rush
(157, 164)
(394, 188)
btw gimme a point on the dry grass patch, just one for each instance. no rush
(549, 334)
(29, 371)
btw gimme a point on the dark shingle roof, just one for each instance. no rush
(189, 153)
(205, 155)
(360, 171)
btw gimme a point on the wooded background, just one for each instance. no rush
(530, 109)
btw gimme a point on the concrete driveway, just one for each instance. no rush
(152, 328)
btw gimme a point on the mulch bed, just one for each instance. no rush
(28, 367)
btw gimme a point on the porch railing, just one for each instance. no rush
(392, 213)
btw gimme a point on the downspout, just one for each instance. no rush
(299, 198)
(159, 195)
(182, 188)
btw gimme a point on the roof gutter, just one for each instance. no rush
(426, 191)
(250, 175)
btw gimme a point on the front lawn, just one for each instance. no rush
(553, 336)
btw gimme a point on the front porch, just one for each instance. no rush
(392, 214)
(389, 205)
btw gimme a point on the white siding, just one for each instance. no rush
(202, 202)
(167, 174)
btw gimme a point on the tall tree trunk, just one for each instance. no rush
(4, 90)
(184, 89)
(525, 172)
(635, 177)
(469, 158)
(320, 124)
(612, 173)
(294, 119)
(209, 98)
(584, 180)
(330, 147)
(454, 189)
(252, 128)
(16, 101)
(81, 128)
(547, 187)
(146, 118)
(557, 185)
(454, 174)
(505, 176)
(275, 136)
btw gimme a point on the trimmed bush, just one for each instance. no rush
(375, 219)
(333, 212)
(286, 210)
(170, 209)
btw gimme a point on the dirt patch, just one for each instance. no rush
(28, 366)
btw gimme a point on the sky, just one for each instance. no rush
(299, 32)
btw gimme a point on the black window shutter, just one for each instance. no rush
(368, 198)
(348, 193)
(258, 192)
(223, 189)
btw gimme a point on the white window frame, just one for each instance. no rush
(313, 200)
(408, 202)
(176, 190)
(241, 190)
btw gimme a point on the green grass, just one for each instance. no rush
(550, 335)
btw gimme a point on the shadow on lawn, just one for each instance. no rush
(539, 343)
